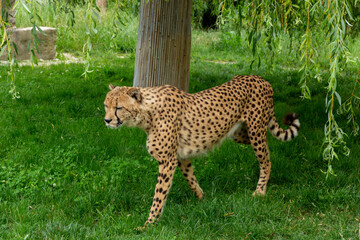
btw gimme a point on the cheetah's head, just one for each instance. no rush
(122, 106)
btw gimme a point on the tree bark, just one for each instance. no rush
(163, 45)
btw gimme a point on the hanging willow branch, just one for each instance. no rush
(119, 20)
(329, 19)
(334, 135)
(348, 106)
(10, 67)
(6, 46)
(92, 17)
(31, 8)
(306, 56)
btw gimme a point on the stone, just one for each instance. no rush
(22, 36)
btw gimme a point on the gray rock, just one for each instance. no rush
(22, 37)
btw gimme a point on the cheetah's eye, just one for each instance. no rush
(118, 108)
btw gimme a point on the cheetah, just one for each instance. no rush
(180, 125)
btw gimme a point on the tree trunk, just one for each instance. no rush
(163, 45)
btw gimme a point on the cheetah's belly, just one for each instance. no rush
(190, 147)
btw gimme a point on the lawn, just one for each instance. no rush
(64, 175)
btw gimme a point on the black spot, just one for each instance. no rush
(286, 136)
(292, 133)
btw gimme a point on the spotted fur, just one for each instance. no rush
(181, 125)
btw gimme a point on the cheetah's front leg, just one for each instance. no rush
(164, 181)
(162, 144)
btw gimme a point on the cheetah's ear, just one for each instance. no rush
(135, 93)
(111, 87)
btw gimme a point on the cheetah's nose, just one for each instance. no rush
(107, 120)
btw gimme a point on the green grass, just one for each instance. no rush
(64, 175)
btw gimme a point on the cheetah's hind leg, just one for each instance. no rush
(261, 151)
(188, 172)
(242, 136)
(258, 141)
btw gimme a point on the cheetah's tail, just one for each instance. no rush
(292, 121)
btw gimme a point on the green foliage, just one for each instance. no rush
(71, 2)
(64, 175)
(6, 46)
(312, 23)
(91, 18)
(111, 33)
(32, 10)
